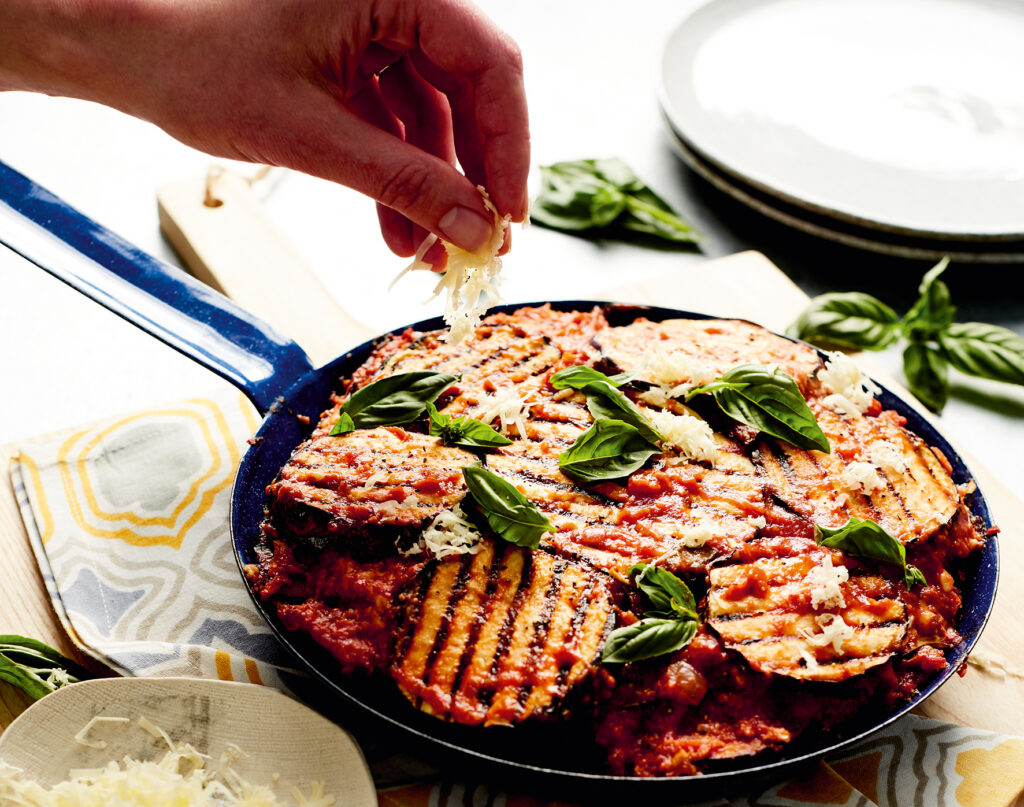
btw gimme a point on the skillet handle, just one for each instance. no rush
(164, 301)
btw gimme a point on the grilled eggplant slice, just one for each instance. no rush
(366, 478)
(767, 611)
(716, 345)
(500, 636)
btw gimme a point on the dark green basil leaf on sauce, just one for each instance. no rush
(847, 319)
(508, 512)
(580, 375)
(392, 401)
(646, 639)
(983, 350)
(609, 449)
(665, 595)
(464, 431)
(933, 311)
(766, 399)
(927, 375)
(604, 400)
(862, 537)
(36, 668)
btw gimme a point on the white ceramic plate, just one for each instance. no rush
(842, 232)
(902, 115)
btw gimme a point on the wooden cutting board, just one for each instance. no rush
(746, 285)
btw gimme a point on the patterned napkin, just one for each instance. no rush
(129, 523)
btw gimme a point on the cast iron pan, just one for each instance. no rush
(277, 376)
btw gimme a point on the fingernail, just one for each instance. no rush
(465, 228)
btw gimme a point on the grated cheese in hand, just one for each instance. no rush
(834, 631)
(825, 582)
(690, 435)
(851, 391)
(862, 476)
(180, 778)
(470, 280)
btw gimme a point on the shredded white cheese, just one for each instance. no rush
(833, 631)
(508, 406)
(470, 280)
(809, 660)
(851, 391)
(862, 476)
(181, 778)
(888, 457)
(825, 582)
(673, 370)
(994, 664)
(449, 533)
(82, 738)
(690, 435)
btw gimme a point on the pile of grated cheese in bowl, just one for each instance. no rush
(182, 777)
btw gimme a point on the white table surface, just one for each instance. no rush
(590, 75)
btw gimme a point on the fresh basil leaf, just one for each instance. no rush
(646, 639)
(392, 401)
(933, 311)
(666, 596)
(35, 667)
(343, 425)
(863, 538)
(576, 196)
(912, 576)
(508, 512)
(649, 214)
(983, 350)
(847, 319)
(605, 197)
(464, 431)
(609, 449)
(603, 399)
(766, 399)
(579, 376)
(927, 375)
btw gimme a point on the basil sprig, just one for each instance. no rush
(35, 667)
(604, 399)
(669, 621)
(392, 401)
(867, 539)
(604, 198)
(935, 340)
(508, 512)
(766, 399)
(465, 431)
(609, 449)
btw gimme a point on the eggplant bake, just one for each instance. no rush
(697, 539)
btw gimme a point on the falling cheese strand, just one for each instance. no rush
(470, 281)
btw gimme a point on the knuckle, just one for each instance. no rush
(406, 187)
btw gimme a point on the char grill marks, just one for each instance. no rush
(717, 345)
(371, 477)
(912, 498)
(766, 611)
(500, 636)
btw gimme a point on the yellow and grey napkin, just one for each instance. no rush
(129, 523)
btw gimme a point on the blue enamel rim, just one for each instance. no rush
(279, 435)
(277, 376)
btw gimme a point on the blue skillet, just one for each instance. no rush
(278, 378)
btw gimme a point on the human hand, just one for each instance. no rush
(380, 95)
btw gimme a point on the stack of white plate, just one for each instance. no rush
(891, 125)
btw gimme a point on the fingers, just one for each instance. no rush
(480, 70)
